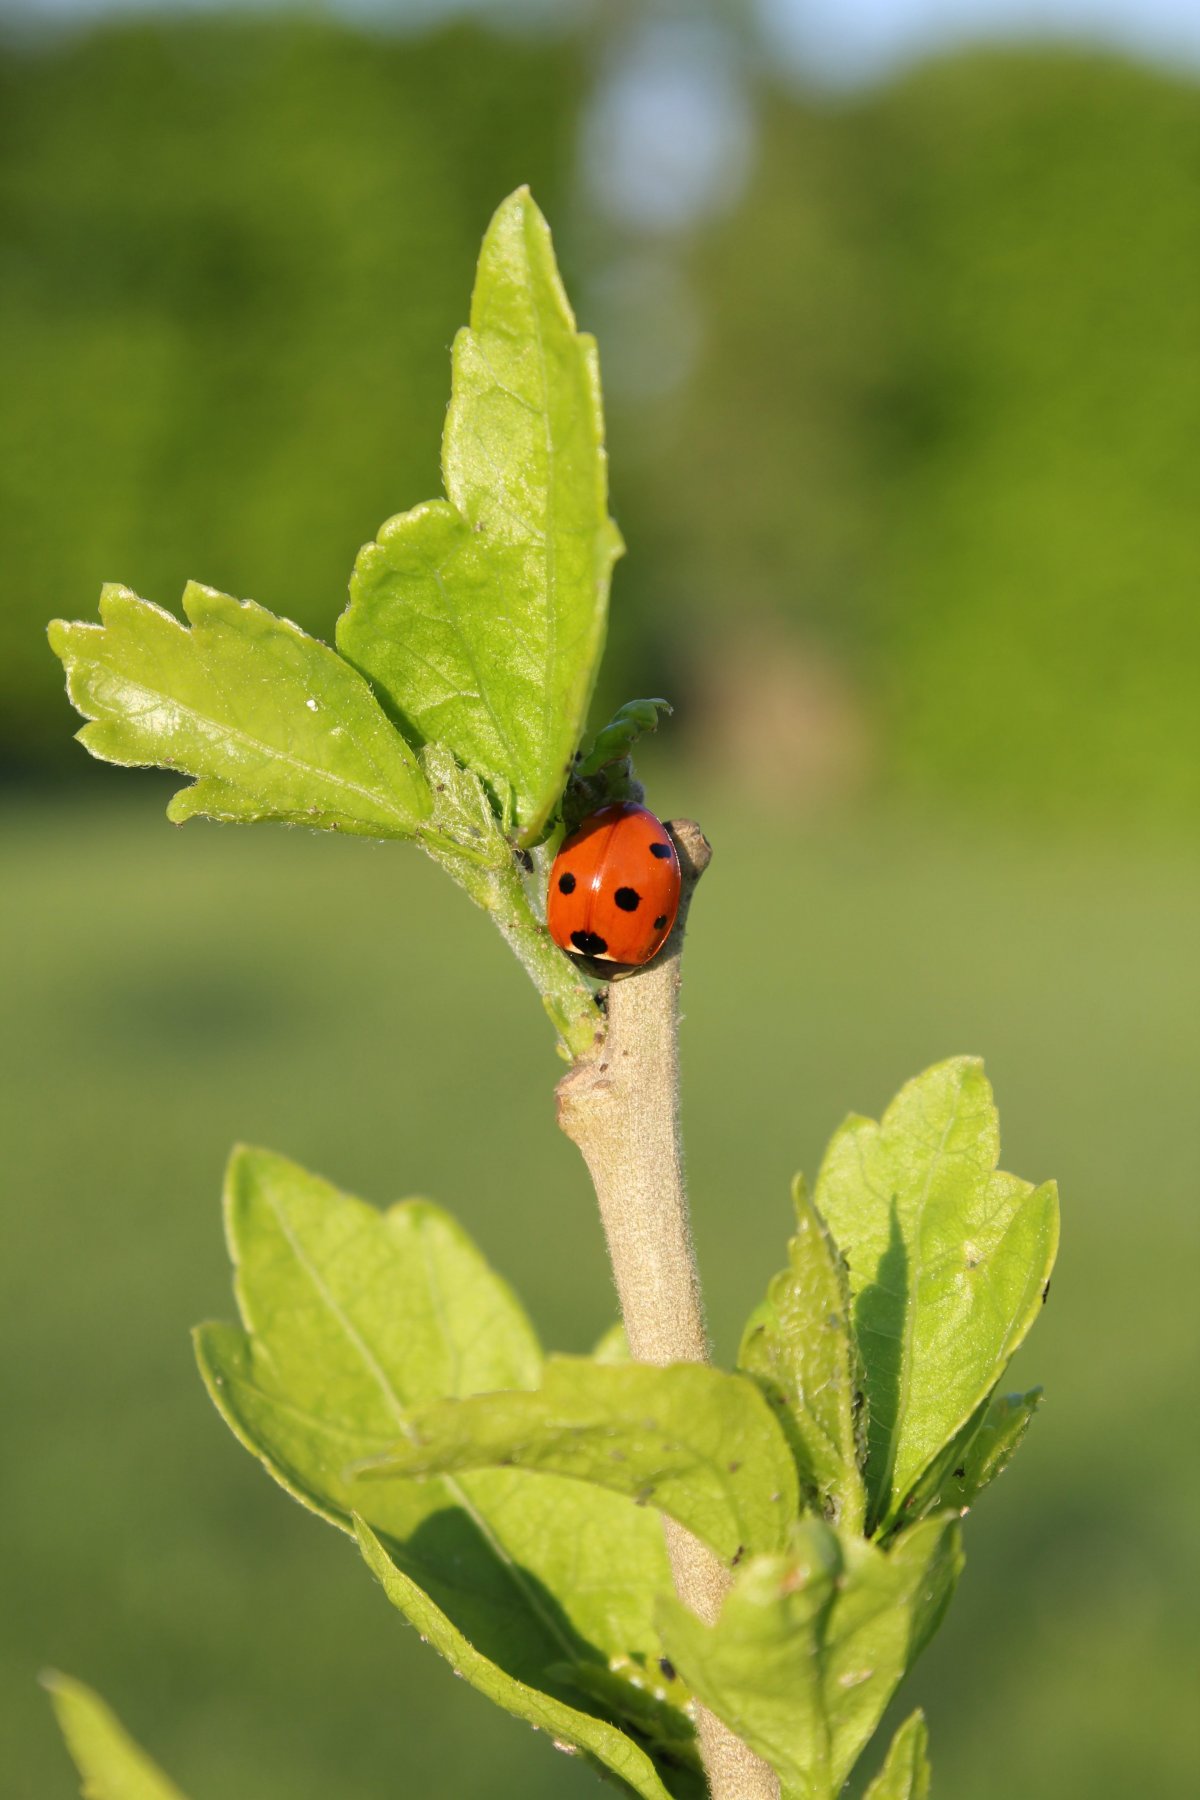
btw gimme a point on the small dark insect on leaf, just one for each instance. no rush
(667, 1667)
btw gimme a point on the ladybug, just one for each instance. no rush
(614, 887)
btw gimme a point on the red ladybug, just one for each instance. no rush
(614, 887)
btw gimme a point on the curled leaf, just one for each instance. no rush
(799, 1346)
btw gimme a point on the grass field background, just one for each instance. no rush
(173, 992)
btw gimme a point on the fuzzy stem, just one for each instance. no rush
(565, 995)
(464, 837)
(620, 1105)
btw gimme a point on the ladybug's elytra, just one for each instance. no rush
(614, 887)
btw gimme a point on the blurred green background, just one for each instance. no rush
(904, 398)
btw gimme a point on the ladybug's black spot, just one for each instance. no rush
(628, 899)
(660, 850)
(589, 943)
(660, 921)
(566, 883)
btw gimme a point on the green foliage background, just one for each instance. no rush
(941, 427)
(966, 374)
(941, 424)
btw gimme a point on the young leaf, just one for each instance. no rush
(934, 1489)
(654, 1707)
(354, 1317)
(603, 771)
(799, 1347)
(993, 1447)
(974, 1456)
(480, 618)
(110, 1764)
(947, 1261)
(269, 722)
(610, 1750)
(905, 1774)
(612, 1346)
(697, 1443)
(810, 1647)
(617, 738)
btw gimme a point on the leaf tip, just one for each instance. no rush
(204, 605)
(519, 200)
(244, 1176)
(117, 602)
(518, 245)
(514, 213)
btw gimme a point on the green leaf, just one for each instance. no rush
(800, 1348)
(269, 722)
(934, 1490)
(947, 1262)
(993, 1447)
(656, 1707)
(352, 1318)
(480, 618)
(612, 1346)
(110, 1764)
(695, 1442)
(905, 1775)
(608, 1748)
(810, 1647)
(974, 1457)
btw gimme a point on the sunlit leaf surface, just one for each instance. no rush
(948, 1259)
(269, 722)
(480, 618)
(351, 1318)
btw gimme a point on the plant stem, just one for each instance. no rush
(566, 997)
(464, 837)
(620, 1105)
